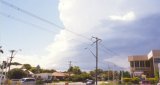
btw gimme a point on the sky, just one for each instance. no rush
(125, 28)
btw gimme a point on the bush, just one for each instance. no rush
(127, 80)
(39, 81)
(135, 80)
(152, 80)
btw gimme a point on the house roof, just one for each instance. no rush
(151, 54)
(60, 74)
(137, 57)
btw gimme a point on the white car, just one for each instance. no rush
(28, 81)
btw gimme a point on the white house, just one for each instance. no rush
(44, 76)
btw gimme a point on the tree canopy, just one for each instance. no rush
(16, 74)
(27, 66)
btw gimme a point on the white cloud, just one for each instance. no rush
(83, 17)
(127, 17)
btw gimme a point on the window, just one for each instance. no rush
(136, 63)
(141, 63)
(147, 64)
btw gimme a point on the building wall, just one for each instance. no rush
(141, 66)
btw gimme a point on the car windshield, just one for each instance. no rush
(28, 80)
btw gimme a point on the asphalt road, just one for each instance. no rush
(63, 83)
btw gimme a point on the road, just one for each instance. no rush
(63, 83)
(74, 83)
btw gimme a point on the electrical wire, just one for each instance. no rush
(41, 19)
(25, 22)
(109, 50)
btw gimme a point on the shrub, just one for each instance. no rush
(152, 80)
(39, 81)
(127, 80)
(135, 80)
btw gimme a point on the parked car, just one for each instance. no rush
(90, 82)
(28, 81)
(145, 82)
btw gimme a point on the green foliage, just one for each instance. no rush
(39, 81)
(81, 77)
(16, 74)
(27, 66)
(126, 74)
(47, 70)
(156, 74)
(75, 70)
(33, 69)
(152, 80)
(127, 80)
(135, 80)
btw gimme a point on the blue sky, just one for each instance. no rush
(125, 27)
(18, 35)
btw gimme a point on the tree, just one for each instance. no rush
(48, 70)
(33, 69)
(126, 74)
(27, 66)
(99, 71)
(81, 77)
(75, 70)
(16, 74)
(15, 63)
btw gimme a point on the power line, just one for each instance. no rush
(41, 19)
(109, 50)
(25, 22)
(31, 24)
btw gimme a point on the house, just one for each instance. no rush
(43, 76)
(145, 64)
(59, 75)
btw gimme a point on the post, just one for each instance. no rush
(97, 40)
(108, 72)
(70, 65)
(12, 52)
(96, 60)
(1, 51)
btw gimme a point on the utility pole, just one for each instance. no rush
(122, 76)
(114, 70)
(97, 40)
(108, 72)
(12, 52)
(69, 70)
(1, 74)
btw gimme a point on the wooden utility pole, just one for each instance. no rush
(97, 40)
(69, 70)
(12, 52)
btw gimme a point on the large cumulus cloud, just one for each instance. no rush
(126, 27)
